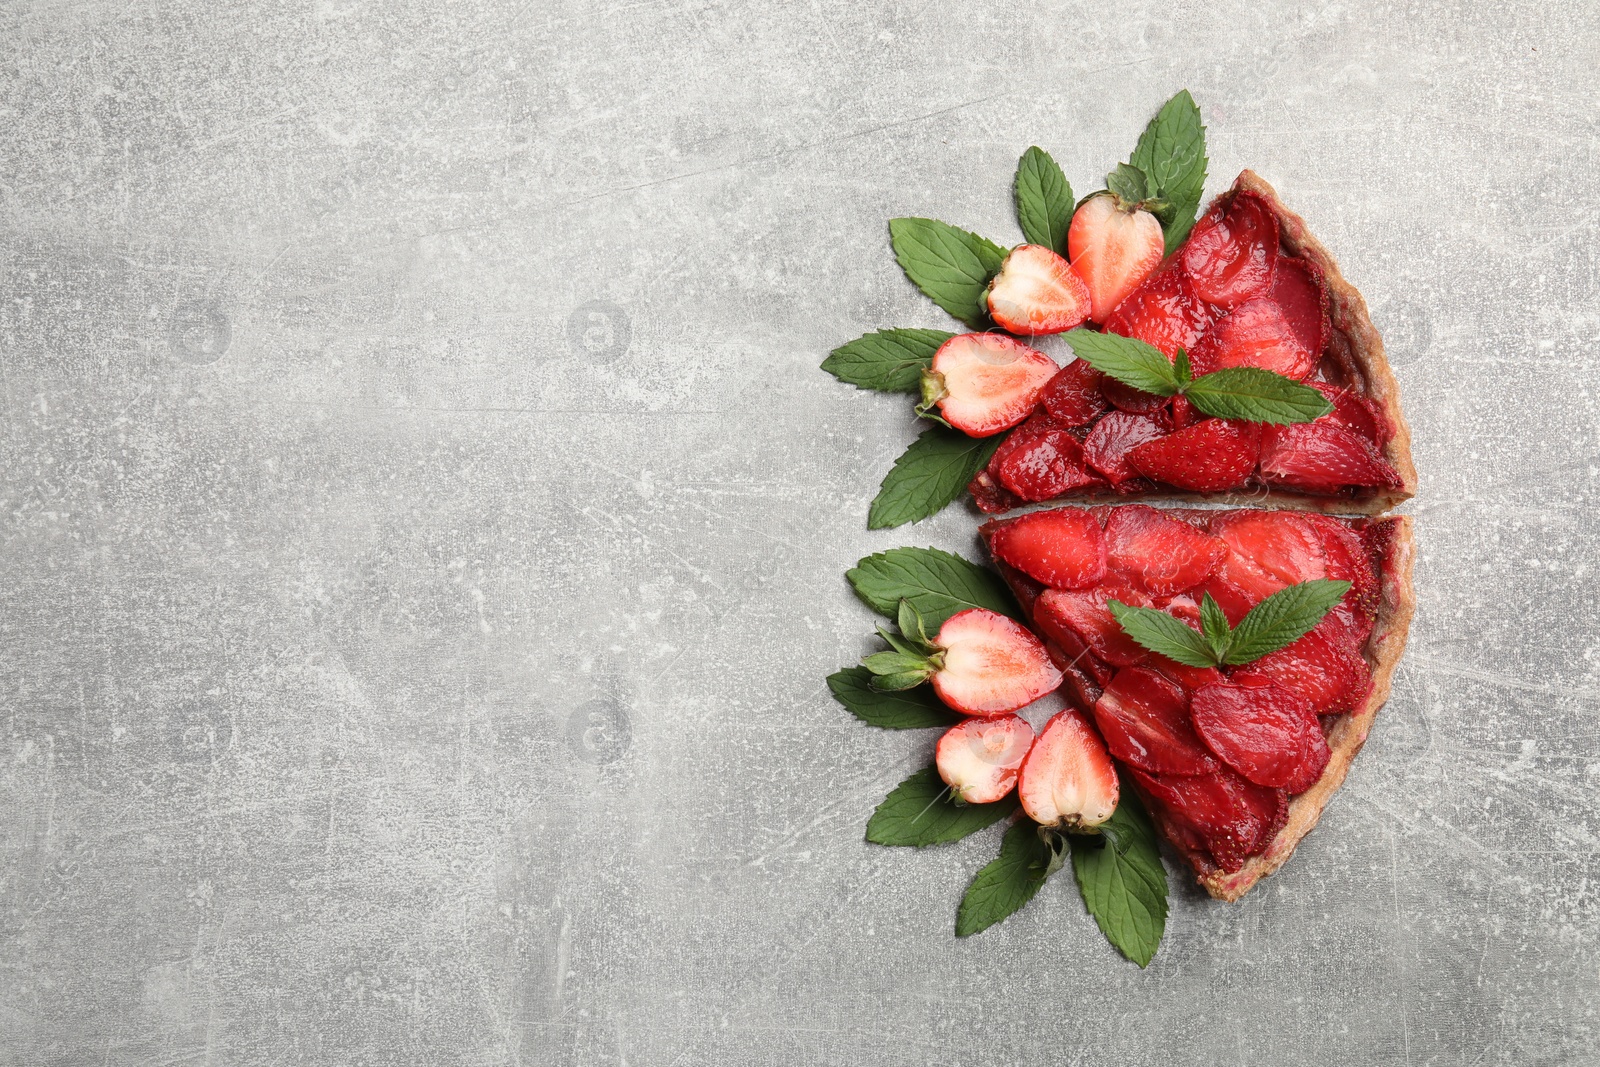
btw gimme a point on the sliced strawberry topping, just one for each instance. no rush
(1267, 733)
(1254, 334)
(1324, 667)
(1037, 293)
(1112, 250)
(1322, 457)
(1163, 311)
(1134, 401)
(1226, 815)
(1064, 548)
(987, 382)
(1357, 413)
(1231, 253)
(1085, 617)
(1042, 465)
(991, 497)
(1347, 561)
(1184, 414)
(1299, 289)
(1207, 457)
(1281, 545)
(1144, 718)
(1159, 554)
(1073, 396)
(1107, 446)
(1067, 778)
(992, 664)
(979, 759)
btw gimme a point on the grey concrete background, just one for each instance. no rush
(424, 525)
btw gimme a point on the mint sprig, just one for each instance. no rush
(888, 361)
(951, 266)
(932, 472)
(922, 811)
(1279, 620)
(1172, 152)
(1029, 855)
(937, 584)
(1123, 883)
(1044, 200)
(1248, 393)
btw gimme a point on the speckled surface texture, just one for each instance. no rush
(424, 523)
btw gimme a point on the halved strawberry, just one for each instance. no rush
(979, 759)
(1085, 616)
(1108, 444)
(1267, 733)
(1113, 246)
(1161, 555)
(1037, 293)
(1224, 813)
(1063, 548)
(1208, 457)
(991, 664)
(1067, 779)
(1299, 289)
(1043, 465)
(1162, 311)
(983, 383)
(1322, 457)
(1323, 667)
(1231, 253)
(1144, 718)
(1073, 395)
(1254, 334)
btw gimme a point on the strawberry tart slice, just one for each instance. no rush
(1232, 660)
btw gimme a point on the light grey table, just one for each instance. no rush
(424, 525)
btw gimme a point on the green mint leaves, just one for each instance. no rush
(921, 811)
(928, 475)
(1172, 153)
(889, 361)
(1044, 200)
(916, 709)
(1029, 855)
(1123, 883)
(951, 266)
(1281, 619)
(937, 584)
(1247, 393)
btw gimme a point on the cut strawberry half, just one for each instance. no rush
(979, 759)
(1254, 334)
(991, 664)
(1036, 292)
(1322, 457)
(983, 383)
(1064, 548)
(1267, 733)
(1073, 396)
(1160, 555)
(1163, 311)
(1067, 779)
(1113, 247)
(1042, 465)
(1144, 718)
(1231, 254)
(1208, 457)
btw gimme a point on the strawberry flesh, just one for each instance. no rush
(1067, 778)
(1298, 288)
(1221, 812)
(1144, 718)
(1036, 292)
(1322, 457)
(1325, 668)
(1267, 733)
(1107, 446)
(1112, 250)
(1254, 334)
(979, 759)
(1073, 396)
(990, 381)
(1230, 255)
(1163, 311)
(1208, 457)
(1085, 616)
(1064, 548)
(1042, 465)
(992, 664)
(1159, 554)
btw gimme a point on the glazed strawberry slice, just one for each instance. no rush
(1073, 396)
(1036, 292)
(1159, 554)
(1067, 779)
(1254, 334)
(1162, 311)
(1322, 457)
(1208, 457)
(1113, 437)
(1231, 254)
(1298, 288)
(1347, 561)
(1356, 413)
(1223, 813)
(1064, 548)
(979, 759)
(1144, 718)
(1042, 464)
(991, 664)
(1267, 733)
(1083, 619)
(1113, 246)
(1324, 668)
(983, 383)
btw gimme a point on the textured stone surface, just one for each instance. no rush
(424, 521)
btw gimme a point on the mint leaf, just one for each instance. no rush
(1214, 626)
(1026, 861)
(1172, 151)
(920, 812)
(1163, 634)
(1123, 883)
(1129, 361)
(936, 583)
(1130, 184)
(910, 710)
(928, 475)
(1256, 395)
(890, 361)
(949, 265)
(1044, 200)
(1283, 618)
